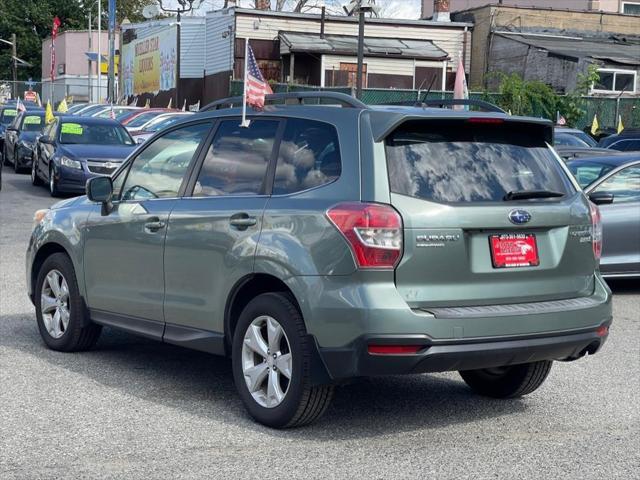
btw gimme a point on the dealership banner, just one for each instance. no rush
(149, 61)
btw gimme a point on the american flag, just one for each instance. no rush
(54, 34)
(112, 113)
(257, 86)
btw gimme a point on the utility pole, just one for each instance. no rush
(111, 92)
(89, 69)
(360, 72)
(99, 51)
(14, 58)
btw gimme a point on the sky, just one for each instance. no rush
(391, 8)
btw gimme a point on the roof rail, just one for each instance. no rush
(342, 98)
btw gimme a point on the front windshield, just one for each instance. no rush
(160, 123)
(8, 115)
(33, 123)
(93, 134)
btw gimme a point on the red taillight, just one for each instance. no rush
(596, 230)
(374, 232)
(602, 331)
(394, 349)
(493, 121)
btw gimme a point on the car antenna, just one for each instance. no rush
(424, 99)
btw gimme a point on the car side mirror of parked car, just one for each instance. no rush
(100, 189)
(45, 139)
(601, 198)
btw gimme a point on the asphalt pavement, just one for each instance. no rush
(133, 408)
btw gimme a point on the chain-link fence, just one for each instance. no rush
(74, 90)
(607, 109)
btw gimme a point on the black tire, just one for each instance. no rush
(508, 382)
(53, 183)
(16, 167)
(79, 334)
(302, 403)
(35, 179)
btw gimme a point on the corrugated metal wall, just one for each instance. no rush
(219, 41)
(192, 47)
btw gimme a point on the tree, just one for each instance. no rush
(526, 97)
(572, 104)
(31, 21)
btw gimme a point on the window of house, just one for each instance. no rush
(612, 80)
(631, 8)
(352, 73)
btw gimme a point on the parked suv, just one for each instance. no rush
(320, 244)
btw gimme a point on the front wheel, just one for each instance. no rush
(35, 179)
(53, 183)
(508, 382)
(60, 311)
(271, 364)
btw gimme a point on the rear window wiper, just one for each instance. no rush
(529, 194)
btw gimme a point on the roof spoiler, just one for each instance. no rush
(443, 103)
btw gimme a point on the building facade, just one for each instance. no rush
(74, 74)
(512, 39)
(630, 7)
(307, 49)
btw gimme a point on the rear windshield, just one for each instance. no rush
(459, 161)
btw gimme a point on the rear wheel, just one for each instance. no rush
(272, 362)
(60, 311)
(508, 382)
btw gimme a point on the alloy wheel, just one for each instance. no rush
(266, 361)
(54, 304)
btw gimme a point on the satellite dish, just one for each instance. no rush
(150, 11)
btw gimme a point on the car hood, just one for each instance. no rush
(98, 152)
(68, 202)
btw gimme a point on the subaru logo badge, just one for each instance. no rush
(519, 217)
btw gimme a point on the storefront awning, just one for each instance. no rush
(295, 42)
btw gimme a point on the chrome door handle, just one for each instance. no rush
(154, 224)
(243, 221)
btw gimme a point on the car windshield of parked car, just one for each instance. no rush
(587, 172)
(142, 119)
(8, 115)
(624, 185)
(159, 123)
(93, 134)
(454, 161)
(32, 123)
(568, 140)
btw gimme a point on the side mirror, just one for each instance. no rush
(601, 198)
(45, 139)
(100, 190)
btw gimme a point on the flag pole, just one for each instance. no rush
(245, 122)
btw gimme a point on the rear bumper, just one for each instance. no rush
(346, 320)
(356, 361)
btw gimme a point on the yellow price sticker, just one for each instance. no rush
(71, 129)
(10, 112)
(32, 120)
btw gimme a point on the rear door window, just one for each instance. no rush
(309, 157)
(460, 161)
(237, 161)
(624, 185)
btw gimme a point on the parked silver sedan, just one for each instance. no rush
(614, 184)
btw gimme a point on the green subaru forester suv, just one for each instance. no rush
(320, 244)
